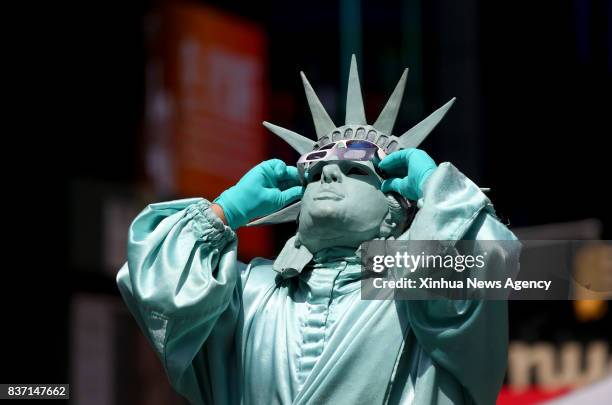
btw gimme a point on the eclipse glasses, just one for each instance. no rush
(352, 149)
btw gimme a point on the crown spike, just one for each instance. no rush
(387, 117)
(417, 134)
(287, 214)
(323, 124)
(355, 112)
(298, 142)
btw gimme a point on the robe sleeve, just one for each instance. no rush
(468, 338)
(182, 284)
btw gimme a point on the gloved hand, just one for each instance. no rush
(265, 189)
(408, 169)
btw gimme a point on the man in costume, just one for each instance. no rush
(295, 330)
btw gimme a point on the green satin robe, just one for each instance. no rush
(230, 333)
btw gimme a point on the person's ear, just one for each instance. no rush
(387, 226)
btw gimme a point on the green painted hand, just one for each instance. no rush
(407, 170)
(265, 189)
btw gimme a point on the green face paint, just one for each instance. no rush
(342, 206)
(355, 127)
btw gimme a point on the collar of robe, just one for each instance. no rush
(295, 257)
(336, 254)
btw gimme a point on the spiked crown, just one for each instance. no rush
(355, 127)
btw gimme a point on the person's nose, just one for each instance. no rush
(331, 174)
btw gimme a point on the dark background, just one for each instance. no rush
(532, 121)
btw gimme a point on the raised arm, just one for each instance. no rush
(468, 338)
(181, 282)
(182, 279)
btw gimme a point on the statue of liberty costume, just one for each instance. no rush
(295, 330)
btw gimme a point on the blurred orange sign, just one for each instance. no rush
(205, 105)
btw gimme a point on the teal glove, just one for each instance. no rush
(265, 189)
(408, 169)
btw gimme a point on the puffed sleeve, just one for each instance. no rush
(182, 284)
(468, 338)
